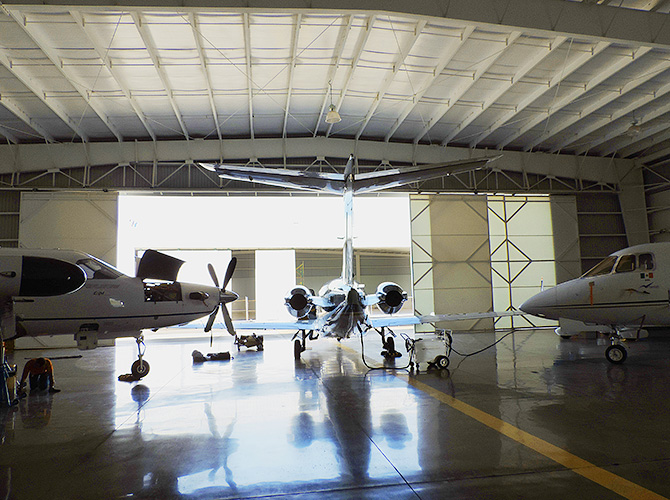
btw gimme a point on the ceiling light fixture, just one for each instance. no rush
(333, 116)
(634, 129)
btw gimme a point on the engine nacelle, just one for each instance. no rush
(299, 301)
(391, 297)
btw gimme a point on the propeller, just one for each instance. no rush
(224, 297)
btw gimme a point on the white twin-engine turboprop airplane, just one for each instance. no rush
(57, 292)
(341, 306)
(621, 294)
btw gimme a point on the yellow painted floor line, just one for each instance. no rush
(617, 484)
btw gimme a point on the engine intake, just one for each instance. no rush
(299, 301)
(391, 297)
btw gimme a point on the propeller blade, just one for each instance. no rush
(229, 272)
(210, 321)
(228, 321)
(212, 273)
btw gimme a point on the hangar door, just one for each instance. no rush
(451, 260)
(73, 221)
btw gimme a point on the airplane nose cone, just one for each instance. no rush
(540, 304)
(227, 296)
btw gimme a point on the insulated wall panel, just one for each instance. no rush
(451, 265)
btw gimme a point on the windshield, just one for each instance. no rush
(98, 270)
(603, 267)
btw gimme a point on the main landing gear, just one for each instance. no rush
(140, 368)
(299, 343)
(388, 344)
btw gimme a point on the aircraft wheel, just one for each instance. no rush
(442, 362)
(297, 349)
(139, 368)
(616, 354)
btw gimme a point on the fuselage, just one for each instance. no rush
(628, 288)
(347, 311)
(106, 301)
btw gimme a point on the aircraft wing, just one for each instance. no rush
(309, 181)
(385, 179)
(389, 321)
(275, 325)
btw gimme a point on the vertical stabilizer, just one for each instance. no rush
(348, 196)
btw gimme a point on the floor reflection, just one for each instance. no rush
(263, 424)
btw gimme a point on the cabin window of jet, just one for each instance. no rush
(626, 264)
(646, 262)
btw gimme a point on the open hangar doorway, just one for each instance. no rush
(279, 241)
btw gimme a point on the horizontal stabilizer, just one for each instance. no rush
(335, 182)
(281, 177)
(395, 177)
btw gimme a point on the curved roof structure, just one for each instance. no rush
(556, 76)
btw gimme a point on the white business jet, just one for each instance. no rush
(621, 294)
(341, 306)
(64, 292)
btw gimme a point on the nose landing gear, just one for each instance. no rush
(616, 353)
(140, 368)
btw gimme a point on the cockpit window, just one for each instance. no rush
(646, 262)
(603, 267)
(98, 270)
(626, 264)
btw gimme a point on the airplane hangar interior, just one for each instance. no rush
(406, 250)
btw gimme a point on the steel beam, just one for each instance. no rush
(569, 97)
(250, 81)
(292, 62)
(606, 98)
(26, 158)
(148, 43)
(546, 18)
(523, 70)
(345, 29)
(403, 52)
(563, 73)
(46, 47)
(103, 53)
(205, 72)
(622, 129)
(350, 73)
(41, 94)
(460, 90)
(442, 62)
(13, 106)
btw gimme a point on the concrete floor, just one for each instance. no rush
(534, 417)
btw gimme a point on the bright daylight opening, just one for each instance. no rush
(205, 229)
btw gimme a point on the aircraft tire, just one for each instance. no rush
(442, 362)
(616, 354)
(138, 369)
(297, 349)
